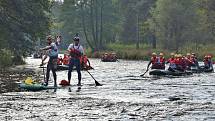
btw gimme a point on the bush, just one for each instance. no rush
(5, 58)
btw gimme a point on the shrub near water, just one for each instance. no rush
(130, 52)
(5, 58)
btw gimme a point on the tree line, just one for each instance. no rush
(168, 24)
(22, 23)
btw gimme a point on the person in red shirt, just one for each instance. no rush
(161, 61)
(207, 62)
(85, 63)
(157, 62)
(180, 63)
(188, 61)
(153, 61)
(65, 60)
(60, 60)
(171, 61)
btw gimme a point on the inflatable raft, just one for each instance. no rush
(201, 69)
(158, 72)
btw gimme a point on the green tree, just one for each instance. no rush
(174, 22)
(22, 23)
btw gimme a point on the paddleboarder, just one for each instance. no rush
(75, 51)
(52, 53)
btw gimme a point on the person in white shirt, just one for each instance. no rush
(52, 52)
(76, 51)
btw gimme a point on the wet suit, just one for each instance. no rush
(75, 52)
(52, 52)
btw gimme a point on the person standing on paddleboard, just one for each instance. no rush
(75, 51)
(52, 53)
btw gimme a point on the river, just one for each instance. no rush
(124, 96)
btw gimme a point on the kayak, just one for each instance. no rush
(158, 72)
(34, 87)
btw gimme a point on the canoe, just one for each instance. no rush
(158, 72)
(33, 87)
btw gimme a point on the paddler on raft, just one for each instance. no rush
(52, 53)
(157, 62)
(208, 62)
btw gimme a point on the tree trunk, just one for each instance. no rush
(137, 41)
(92, 22)
(154, 43)
(97, 22)
(101, 26)
(84, 27)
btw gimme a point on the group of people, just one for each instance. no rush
(74, 52)
(109, 57)
(178, 62)
(85, 63)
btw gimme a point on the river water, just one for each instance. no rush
(124, 96)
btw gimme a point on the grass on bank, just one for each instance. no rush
(144, 52)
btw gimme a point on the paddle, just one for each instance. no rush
(44, 73)
(145, 72)
(96, 82)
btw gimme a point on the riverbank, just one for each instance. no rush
(130, 52)
(11, 77)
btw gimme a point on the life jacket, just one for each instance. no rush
(171, 60)
(65, 60)
(189, 62)
(158, 63)
(161, 60)
(154, 60)
(59, 61)
(207, 63)
(85, 64)
(83, 60)
(75, 53)
(172, 63)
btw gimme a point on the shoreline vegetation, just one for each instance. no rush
(129, 51)
(123, 51)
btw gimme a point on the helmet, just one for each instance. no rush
(161, 54)
(188, 54)
(154, 54)
(172, 54)
(179, 55)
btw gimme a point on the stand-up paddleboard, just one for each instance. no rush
(35, 87)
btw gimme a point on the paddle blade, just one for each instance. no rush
(97, 83)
